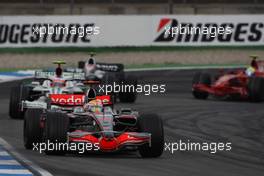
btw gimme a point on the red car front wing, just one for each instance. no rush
(113, 143)
(221, 90)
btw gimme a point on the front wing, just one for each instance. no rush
(221, 90)
(110, 140)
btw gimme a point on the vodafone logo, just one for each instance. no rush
(75, 100)
(70, 100)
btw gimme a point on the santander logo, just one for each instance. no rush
(70, 100)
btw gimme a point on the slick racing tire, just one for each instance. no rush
(32, 128)
(255, 89)
(128, 96)
(81, 64)
(151, 123)
(201, 78)
(17, 94)
(55, 133)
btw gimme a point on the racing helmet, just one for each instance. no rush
(95, 106)
(46, 83)
(69, 84)
(250, 71)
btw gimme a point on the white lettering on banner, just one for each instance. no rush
(148, 30)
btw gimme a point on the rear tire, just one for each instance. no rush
(201, 78)
(14, 110)
(129, 96)
(32, 128)
(55, 132)
(256, 89)
(151, 123)
(81, 64)
(17, 94)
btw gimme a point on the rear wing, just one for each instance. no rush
(110, 67)
(67, 75)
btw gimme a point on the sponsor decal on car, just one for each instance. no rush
(64, 99)
(110, 67)
(75, 100)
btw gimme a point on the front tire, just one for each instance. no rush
(81, 64)
(55, 132)
(256, 89)
(32, 128)
(201, 78)
(151, 123)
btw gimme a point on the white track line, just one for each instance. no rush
(4, 153)
(9, 162)
(8, 168)
(13, 171)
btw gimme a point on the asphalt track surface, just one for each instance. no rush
(185, 118)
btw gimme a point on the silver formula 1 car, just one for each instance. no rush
(97, 124)
(46, 86)
(108, 74)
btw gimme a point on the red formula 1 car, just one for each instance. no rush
(243, 84)
(97, 125)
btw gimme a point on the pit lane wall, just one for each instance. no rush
(124, 30)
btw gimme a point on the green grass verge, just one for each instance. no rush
(10, 69)
(169, 65)
(124, 49)
(147, 66)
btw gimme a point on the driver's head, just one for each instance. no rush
(250, 71)
(58, 72)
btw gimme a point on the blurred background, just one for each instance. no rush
(136, 7)
(135, 56)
